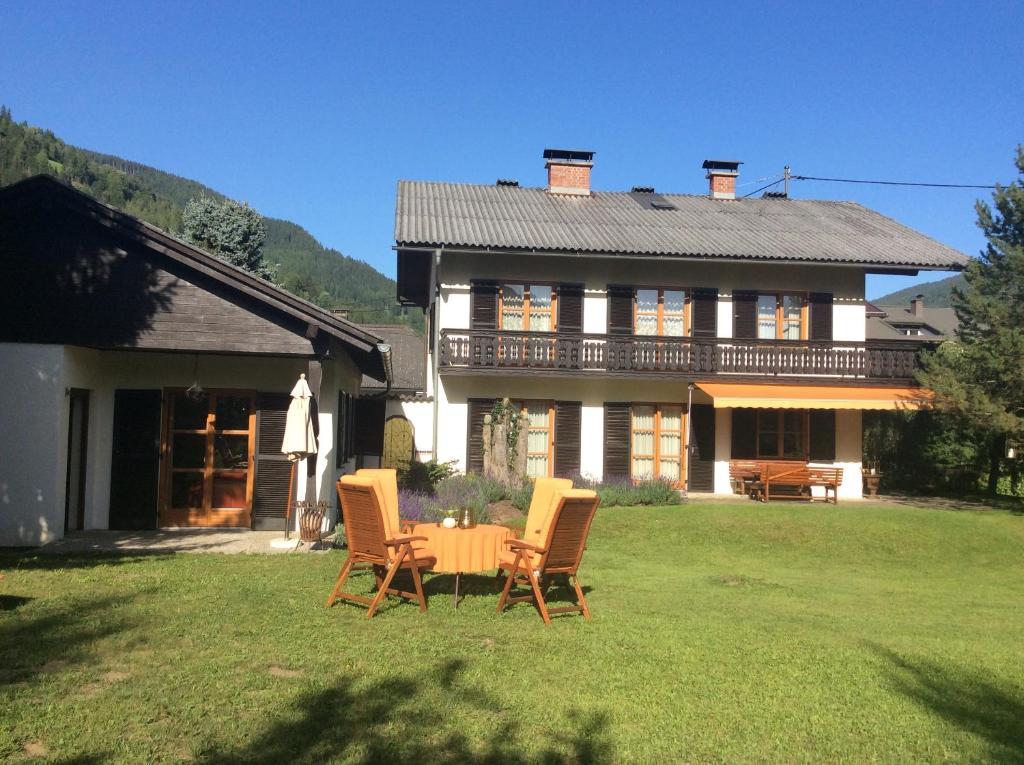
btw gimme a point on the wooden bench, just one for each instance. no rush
(782, 481)
(744, 473)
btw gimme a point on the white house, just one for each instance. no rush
(654, 335)
(145, 382)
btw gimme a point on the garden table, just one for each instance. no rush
(462, 551)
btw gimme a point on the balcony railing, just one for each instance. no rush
(685, 356)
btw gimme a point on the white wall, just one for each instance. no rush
(33, 476)
(849, 452)
(723, 450)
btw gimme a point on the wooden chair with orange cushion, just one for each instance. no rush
(559, 554)
(369, 544)
(388, 478)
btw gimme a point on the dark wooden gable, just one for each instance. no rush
(71, 280)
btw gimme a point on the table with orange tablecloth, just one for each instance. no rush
(459, 551)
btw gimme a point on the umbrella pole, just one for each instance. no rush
(291, 501)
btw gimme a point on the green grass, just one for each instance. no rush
(729, 633)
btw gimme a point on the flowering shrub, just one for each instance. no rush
(413, 505)
(624, 492)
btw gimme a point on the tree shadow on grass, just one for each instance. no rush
(974, 701)
(52, 561)
(394, 721)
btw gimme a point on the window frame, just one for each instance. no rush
(550, 454)
(527, 306)
(660, 313)
(780, 435)
(656, 435)
(780, 296)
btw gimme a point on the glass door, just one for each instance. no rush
(208, 459)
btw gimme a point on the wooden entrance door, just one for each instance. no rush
(208, 459)
(135, 460)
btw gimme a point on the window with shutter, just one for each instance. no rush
(483, 308)
(744, 434)
(705, 313)
(744, 315)
(701, 476)
(567, 437)
(570, 307)
(820, 316)
(620, 310)
(478, 409)
(616, 440)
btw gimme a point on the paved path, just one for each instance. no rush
(229, 541)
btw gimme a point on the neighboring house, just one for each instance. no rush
(146, 381)
(596, 311)
(403, 406)
(893, 322)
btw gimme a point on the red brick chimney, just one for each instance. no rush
(722, 176)
(568, 171)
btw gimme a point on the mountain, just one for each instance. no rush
(936, 294)
(305, 267)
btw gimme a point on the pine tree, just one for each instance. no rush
(980, 375)
(233, 232)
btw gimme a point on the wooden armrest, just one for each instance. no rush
(519, 544)
(403, 540)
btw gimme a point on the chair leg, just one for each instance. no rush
(579, 597)
(418, 584)
(539, 597)
(340, 581)
(508, 584)
(396, 564)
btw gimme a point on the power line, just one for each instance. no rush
(895, 183)
(773, 183)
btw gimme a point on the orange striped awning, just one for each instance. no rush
(755, 396)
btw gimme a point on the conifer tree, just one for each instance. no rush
(233, 232)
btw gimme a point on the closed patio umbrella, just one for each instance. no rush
(299, 437)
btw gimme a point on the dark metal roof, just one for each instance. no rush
(362, 344)
(408, 359)
(533, 220)
(728, 165)
(572, 155)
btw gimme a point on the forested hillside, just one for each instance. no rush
(306, 267)
(936, 294)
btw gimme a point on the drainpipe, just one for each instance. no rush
(689, 419)
(435, 274)
(384, 349)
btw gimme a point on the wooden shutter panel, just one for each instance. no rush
(273, 470)
(570, 308)
(478, 409)
(822, 435)
(705, 313)
(744, 315)
(744, 434)
(483, 305)
(821, 316)
(567, 437)
(620, 310)
(616, 441)
(702, 448)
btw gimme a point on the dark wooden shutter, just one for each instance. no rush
(820, 316)
(616, 441)
(702, 448)
(368, 426)
(478, 409)
(744, 315)
(273, 469)
(483, 305)
(823, 435)
(620, 310)
(705, 313)
(567, 438)
(570, 308)
(744, 434)
(135, 460)
(345, 443)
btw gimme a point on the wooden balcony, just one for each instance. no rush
(540, 353)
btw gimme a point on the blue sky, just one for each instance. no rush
(313, 113)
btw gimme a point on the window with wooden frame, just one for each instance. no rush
(781, 316)
(540, 437)
(661, 312)
(782, 434)
(529, 307)
(656, 442)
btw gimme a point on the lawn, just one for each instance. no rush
(731, 633)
